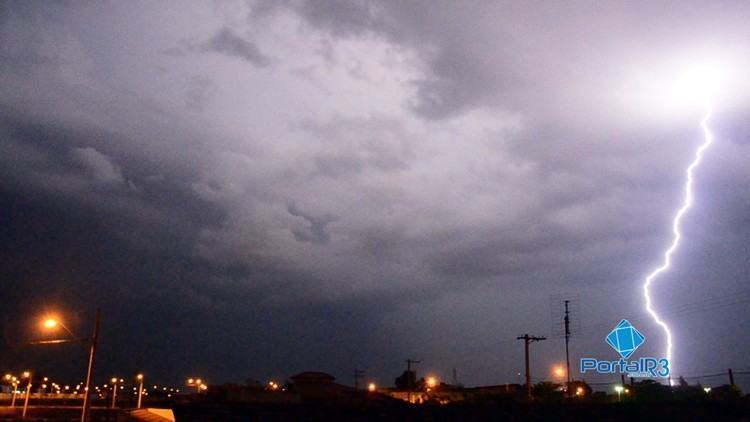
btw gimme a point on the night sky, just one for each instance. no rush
(253, 189)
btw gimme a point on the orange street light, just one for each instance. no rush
(558, 371)
(197, 383)
(431, 382)
(52, 323)
(371, 387)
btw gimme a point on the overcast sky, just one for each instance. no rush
(252, 189)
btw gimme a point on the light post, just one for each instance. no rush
(13, 382)
(619, 390)
(90, 370)
(15, 391)
(42, 389)
(139, 377)
(26, 374)
(114, 392)
(52, 324)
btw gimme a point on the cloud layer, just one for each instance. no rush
(353, 183)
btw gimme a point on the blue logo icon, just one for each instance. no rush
(625, 338)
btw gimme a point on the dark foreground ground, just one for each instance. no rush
(517, 412)
(632, 412)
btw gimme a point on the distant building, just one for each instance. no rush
(256, 394)
(312, 378)
(319, 386)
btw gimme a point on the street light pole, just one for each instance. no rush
(26, 400)
(114, 392)
(13, 397)
(90, 371)
(140, 390)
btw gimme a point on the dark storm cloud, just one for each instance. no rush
(315, 230)
(462, 69)
(200, 90)
(228, 42)
(422, 173)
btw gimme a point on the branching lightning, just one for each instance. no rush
(688, 202)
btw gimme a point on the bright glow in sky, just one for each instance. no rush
(697, 84)
(679, 88)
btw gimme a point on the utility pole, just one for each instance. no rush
(526, 340)
(567, 339)
(409, 385)
(358, 374)
(731, 377)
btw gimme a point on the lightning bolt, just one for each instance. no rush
(687, 203)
